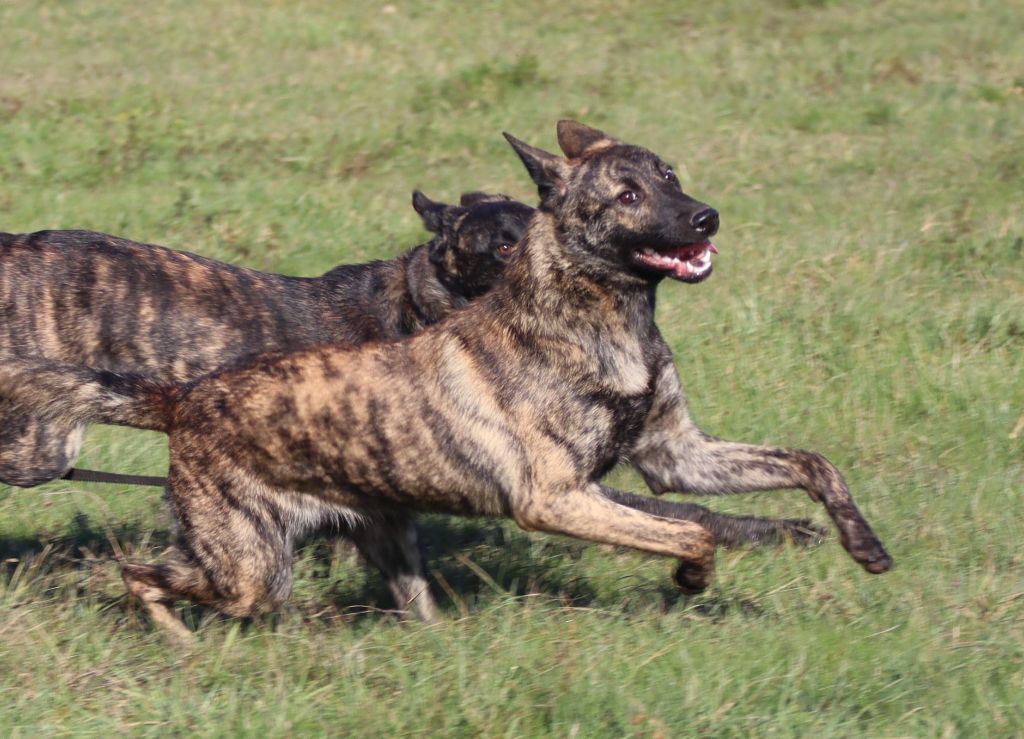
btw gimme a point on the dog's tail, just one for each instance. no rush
(73, 394)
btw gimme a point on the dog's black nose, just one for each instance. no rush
(705, 221)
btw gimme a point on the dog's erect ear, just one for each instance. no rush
(575, 139)
(432, 213)
(548, 170)
(438, 218)
(475, 198)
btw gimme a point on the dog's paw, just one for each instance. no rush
(871, 555)
(862, 544)
(692, 578)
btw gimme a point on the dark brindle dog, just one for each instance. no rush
(515, 406)
(113, 304)
(90, 298)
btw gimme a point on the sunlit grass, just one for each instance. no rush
(868, 302)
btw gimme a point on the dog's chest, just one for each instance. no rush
(608, 417)
(621, 366)
(627, 368)
(627, 414)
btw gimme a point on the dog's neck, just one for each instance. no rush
(555, 280)
(431, 300)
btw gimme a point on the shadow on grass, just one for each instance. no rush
(468, 561)
(83, 542)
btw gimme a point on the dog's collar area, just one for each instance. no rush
(689, 263)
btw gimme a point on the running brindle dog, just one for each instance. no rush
(118, 305)
(515, 406)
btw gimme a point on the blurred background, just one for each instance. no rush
(868, 302)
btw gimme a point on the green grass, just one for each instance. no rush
(868, 302)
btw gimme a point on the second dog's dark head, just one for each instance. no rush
(474, 239)
(621, 208)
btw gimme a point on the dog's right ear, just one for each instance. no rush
(549, 171)
(432, 213)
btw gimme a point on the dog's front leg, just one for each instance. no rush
(729, 530)
(588, 513)
(673, 454)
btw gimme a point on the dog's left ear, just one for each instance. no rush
(549, 171)
(438, 218)
(575, 139)
(432, 213)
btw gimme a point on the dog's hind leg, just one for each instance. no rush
(34, 451)
(729, 530)
(389, 542)
(234, 549)
(157, 586)
(588, 513)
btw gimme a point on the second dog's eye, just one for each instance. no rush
(670, 175)
(505, 248)
(629, 197)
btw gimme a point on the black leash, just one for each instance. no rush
(79, 475)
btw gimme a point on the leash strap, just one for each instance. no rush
(79, 475)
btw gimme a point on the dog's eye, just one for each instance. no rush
(629, 197)
(670, 175)
(505, 248)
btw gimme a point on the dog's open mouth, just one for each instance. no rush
(689, 263)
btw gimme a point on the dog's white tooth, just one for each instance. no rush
(648, 250)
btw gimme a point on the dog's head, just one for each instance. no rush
(473, 240)
(621, 206)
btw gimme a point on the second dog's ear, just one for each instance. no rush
(575, 139)
(432, 213)
(548, 170)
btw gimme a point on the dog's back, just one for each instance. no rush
(87, 298)
(109, 303)
(90, 298)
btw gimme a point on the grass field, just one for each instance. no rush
(868, 302)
